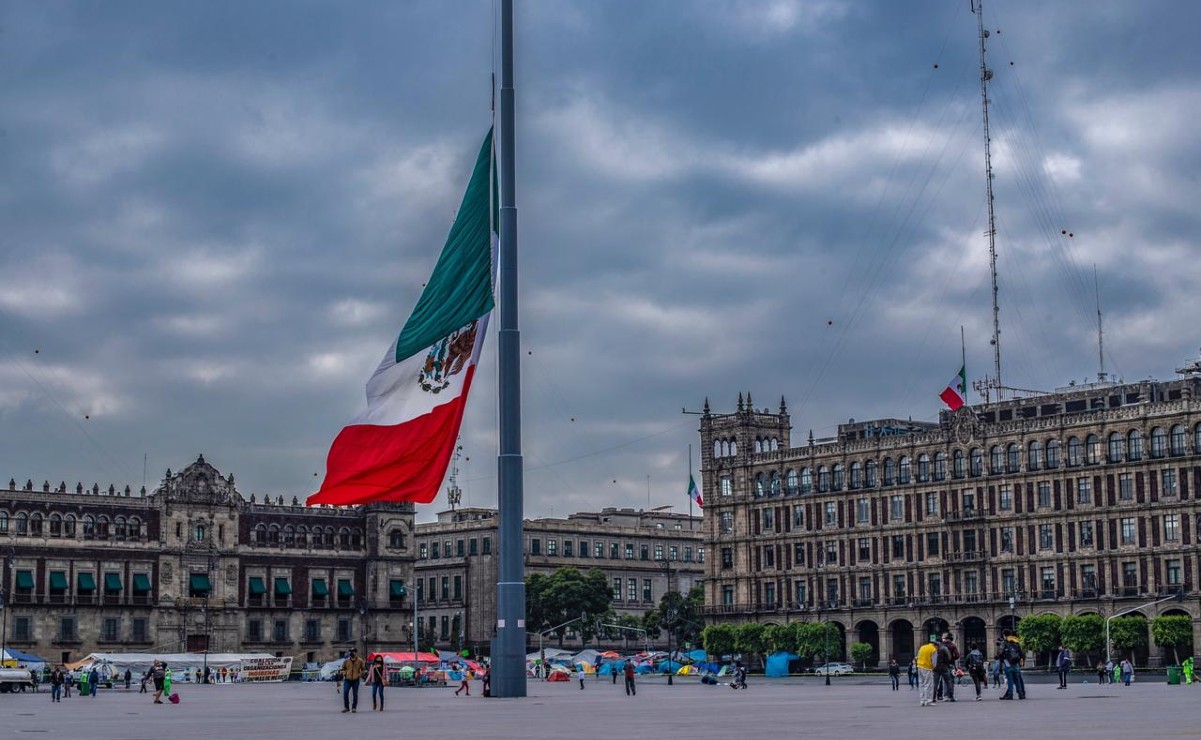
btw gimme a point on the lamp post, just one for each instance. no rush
(669, 621)
(4, 577)
(208, 630)
(363, 623)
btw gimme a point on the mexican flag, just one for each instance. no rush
(694, 493)
(955, 394)
(398, 449)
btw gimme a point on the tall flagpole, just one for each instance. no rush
(508, 647)
(690, 490)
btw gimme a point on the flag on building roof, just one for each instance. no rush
(694, 493)
(399, 448)
(955, 394)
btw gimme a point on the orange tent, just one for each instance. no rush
(406, 657)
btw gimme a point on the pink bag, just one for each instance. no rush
(174, 698)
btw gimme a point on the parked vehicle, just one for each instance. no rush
(834, 669)
(15, 679)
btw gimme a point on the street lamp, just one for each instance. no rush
(208, 630)
(670, 620)
(363, 623)
(820, 568)
(8, 566)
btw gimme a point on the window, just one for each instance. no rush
(1174, 573)
(792, 482)
(445, 588)
(629, 551)
(486, 545)
(644, 552)
(898, 545)
(906, 471)
(312, 630)
(898, 587)
(614, 550)
(869, 470)
(632, 589)
(458, 588)
(890, 471)
(343, 630)
(727, 595)
(459, 548)
(673, 552)
(832, 553)
(110, 629)
(436, 549)
(969, 540)
(1168, 478)
(977, 462)
(798, 516)
(896, 506)
(687, 553)
(1134, 446)
(141, 629)
(1128, 530)
(996, 466)
(727, 557)
(279, 630)
(935, 585)
(932, 541)
(769, 595)
(865, 549)
(66, 629)
(865, 589)
(254, 630)
(806, 481)
(1130, 575)
(423, 551)
(1197, 440)
(1046, 536)
(799, 591)
(971, 582)
(1086, 534)
(798, 554)
(1006, 539)
(958, 464)
(1088, 579)
(831, 513)
(535, 547)
(1009, 583)
(863, 509)
(1084, 490)
(1052, 454)
(617, 589)
(569, 548)
(1125, 487)
(760, 486)
(969, 500)
(1092, 449)
(768, 517)
(1171, 527)
(1044, 494)
(1117, 447)
(1048, 583)
(726, 486)
(552, 548)
(775, 483)
(1075, 452)
(856, 475)
(823, 478)
(1034, 456)
(1004, 498)
(22, 629)
(832, 592)
(940, 466)
(932, 504)
(839, 478)
(658, 551)
(727, 522)
(598, 550)
(1159, 442)
(473, 546)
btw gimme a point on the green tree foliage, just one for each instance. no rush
(1040, 633)
(777, 637)
(861, 652)
(815, 638)
(748, 639)
(719, 640)
(551, 600)
(682, 615)
(1174, 631)
(1128, 633)
(1082, 634)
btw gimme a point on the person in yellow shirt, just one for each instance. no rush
(927, 658)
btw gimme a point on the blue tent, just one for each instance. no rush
(777, 663)
(642, 668)
(668, 666)
(21, 657)
(608, 667)
(699, 656)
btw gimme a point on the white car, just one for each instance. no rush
(834, 669)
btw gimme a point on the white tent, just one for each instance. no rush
(139, 663)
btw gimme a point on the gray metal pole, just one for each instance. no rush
(508, 647)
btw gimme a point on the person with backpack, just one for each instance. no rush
(1064, 663)
(944, 669)
(975, 667)
(912, 676)
(1009, 650)
(894, 673)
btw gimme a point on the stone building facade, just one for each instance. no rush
(194, 565)
(1081, 501)
(644, 554)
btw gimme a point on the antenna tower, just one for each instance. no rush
(986, 75)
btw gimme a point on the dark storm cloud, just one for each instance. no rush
(217, 215)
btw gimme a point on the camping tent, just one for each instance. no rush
(13, 658)
(667, 666)
(777, 663)
(409, 657)
(331, 668)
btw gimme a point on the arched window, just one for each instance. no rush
(273, 535)
(102, 528)
(56, 525)
(760, 485)
(1092, 449)
(758, 445)
(940, 466)
(806, 481)
(1159, 442)
(356, 537)
(923, 468)
(792, 482)
(135, 528)
(329, 536)
(302, 536)
(260, 534)
(35, 525)
(775, 483)
(869, 474)
(823, 479)
(1134, 445)
(995, 464)
(22, 521)
(718, 448)
(1117, 447)
(344, 537)
(906, 473)
(890, 471)
(1052, 454)
(958, 464)
(1034, 455)
(199, 532)
(289, 536)
(977, 462)
(120, 528)
(1075, 452)
(839, 477)
(775, 443)
(396, 539)
(1197, 440)
(856, 475)
(733, 448)
(3, 522)
(1013, 458)
(1179, 439)
(89, 526)
(69, 522)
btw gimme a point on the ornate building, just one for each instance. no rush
(194, 565)
(1080, 501)
(644, 554)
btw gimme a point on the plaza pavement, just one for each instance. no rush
(793, 708)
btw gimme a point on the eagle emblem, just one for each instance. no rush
(447, 358)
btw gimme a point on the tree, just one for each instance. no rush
(815, 639)
(566, 594)
(777, 637)
(1040, 633)
(680, 614)
(719, 640)
(651, 622)
(861, 652)
(1083, 633)
(1128, 633)
(748, 639)
(1174, 631)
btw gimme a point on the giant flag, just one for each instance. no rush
(398, 449)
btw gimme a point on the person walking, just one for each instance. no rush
(464, 683)
(948, 656)
(84, 681)
(1187, 667)
(1115, 672)
(975, 667)
(1064, 663)
(927, 657)
(68, 682)
(894, 673)
(1101, 673)
(56, 685)
(377, 678)
(631, 689)
(580, 674)
(160, 681)
(616, 670)
(94, 680)
(352, 673)
(128, 678)
(911, 672)
(1009, 650)
(1127, 672)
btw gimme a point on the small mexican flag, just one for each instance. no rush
(694, 493)
(955, 394)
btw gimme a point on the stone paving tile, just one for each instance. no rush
(792, 708)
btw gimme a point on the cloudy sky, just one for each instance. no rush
(217, 215)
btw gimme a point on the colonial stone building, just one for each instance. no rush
(1080, 501)
(644, 554)
(194, 565)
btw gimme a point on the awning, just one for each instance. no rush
(319, 587)
(58, 581)
(257, 587)
(141, 583)
(397, 588)
(24, 579)
(86, 582)
(282, 587)
(345, 587)
(200, 582)
(112, 582)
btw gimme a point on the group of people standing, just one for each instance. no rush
(936, 669)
